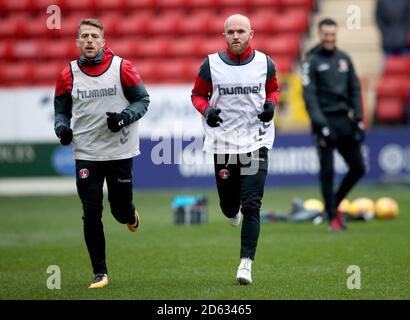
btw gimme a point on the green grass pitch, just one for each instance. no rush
(165, 261)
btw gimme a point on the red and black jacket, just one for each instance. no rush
(132, 86)
(202, 90)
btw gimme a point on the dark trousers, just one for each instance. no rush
(350, 149)
(240, 180)
(90, 177)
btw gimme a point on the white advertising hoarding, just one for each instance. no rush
(27, 114)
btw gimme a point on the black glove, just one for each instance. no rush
(116, 121)
(65, 134)
(269, 110)
(326, 137)
(212, 117)
(359, 131)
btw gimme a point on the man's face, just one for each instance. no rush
(327, 35)
(90, 41)
(237, 33)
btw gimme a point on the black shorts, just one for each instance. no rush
(240, 181)
(90, 176)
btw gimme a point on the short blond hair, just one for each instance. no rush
(91, 22)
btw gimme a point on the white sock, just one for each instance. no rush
(245, 263)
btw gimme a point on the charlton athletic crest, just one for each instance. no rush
(224, 174)
(343, 65)
(83, 173)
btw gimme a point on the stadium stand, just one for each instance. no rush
(150, 33)
(385, 80)
(393, 91)
(392, 94)
(397, 65)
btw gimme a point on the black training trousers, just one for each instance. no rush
(90, 177)
(240, 181)
(350, 149)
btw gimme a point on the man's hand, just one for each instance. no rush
(116, 121)
(269, 110)
(326, 137)
(359, 131)
(65, 134)
(212, 117)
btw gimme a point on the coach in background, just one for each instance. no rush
(236, 92)
(98, 100)
(331, 91)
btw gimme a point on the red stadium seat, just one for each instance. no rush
(262, 21)
(6, 50)
(172, 71)
(184, 47)
(228, 11)
(266, 3)
(69, 25)
(110, 23)
(162, 36)
(134, 24)
(233, 3)
(37, 27)
(60, 49)
(283, 64)
(46, 72)
(211, 45)
(125, 48)
(139, 4)
(11, 27)
(397, 65)
(306, 4)
(154, 47)
(79, 5)
(69, 28)
(201, 3)
(167, 4)
(42, 5)
(28, 49)
(216, 25)
(13, 74)
(13, 6)
(195, 23)
(168, 70)
(148, 70)
(167, 23)
(389, 110)
(192, 69)
(108, 5)
(393, 86)
(278, 45)
(292, 21)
